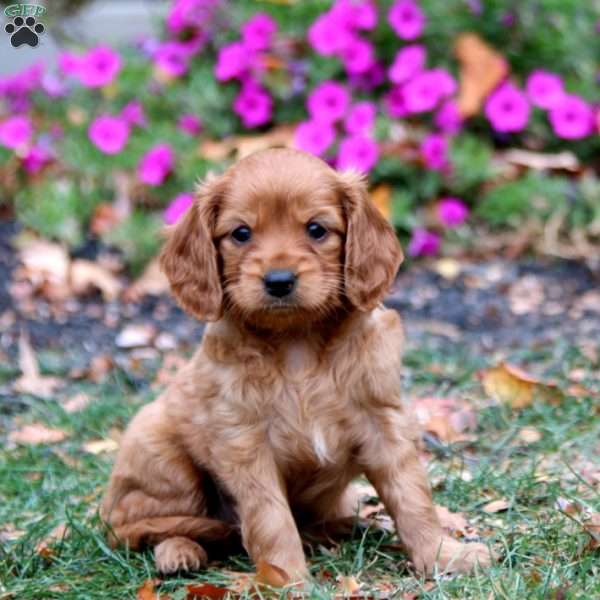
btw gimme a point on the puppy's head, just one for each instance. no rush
(281, 239)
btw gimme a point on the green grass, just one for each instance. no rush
(543, 553)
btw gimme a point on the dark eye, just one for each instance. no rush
(241, 234)
(316, 230)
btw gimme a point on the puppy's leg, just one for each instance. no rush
(269, 531)
(401, 482)
(179, 553)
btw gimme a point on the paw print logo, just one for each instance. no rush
(24, 31)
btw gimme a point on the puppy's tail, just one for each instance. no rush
(153, 530)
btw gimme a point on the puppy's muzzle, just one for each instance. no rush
(279, 283)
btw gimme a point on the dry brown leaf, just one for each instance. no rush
(482, 68)
(592, 527)
(148, 592)
(349, 585)
(101, 446)
(105, 217)
(205, 591)
(448, 419)
(60, 532)
(271, 575)
(496, 506)
(382, 198)
(31, 381)
(36, 433)
(76, 403)
(452, 522)
(511, 385)
(566, 161)
(87, 275)
(530, 435)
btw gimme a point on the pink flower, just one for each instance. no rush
(258, 31)
(314, 137)
(452, 212)
(36, 159)
(69, 63)
(327, 36)
(424, 243)
(22, 83)
(448, 118)
(109, 134)
(99, 67)
(190, 124)
(15, 132)
(254, 106)
(172, 58)
(407, 19)
(545, 89)
(408, 61)
(357, 152)
(361, 117)
(156, 164)
(328, 102)
(177, 208)
(507, 109)
(365, 15)
(434, 152)
(395, 103)
(133, 113)
(358, 56)
(53, 86)
(233, 61)
(572, 118)
(426, 89)
(190, 14)
(370, 79)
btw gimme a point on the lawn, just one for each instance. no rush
(525, 481)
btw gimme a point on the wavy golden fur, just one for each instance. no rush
(287, 399)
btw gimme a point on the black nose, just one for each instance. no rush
(279, 282)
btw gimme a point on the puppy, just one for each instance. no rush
(295, 389)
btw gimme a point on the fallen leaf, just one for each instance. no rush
(36, 433)
(136, 335)
(568, 507)
(101, 446)
(592, 526)
(87, 275)
(60, 532)
(448, 419)
(448, 268)
(452, 522)
(382, 198)
(496, 506)
(31, 381)
(206, 590)
(530, 435)
(271, 575)
(349, 585)
(148, 592)
(76, 403)
(538, 161)
(482, 68)
(152, 282)
(510, 385)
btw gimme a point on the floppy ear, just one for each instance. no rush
(372, 253)
(189, 256)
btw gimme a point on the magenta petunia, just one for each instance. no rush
(424, 243)
(109, 134)
(258, 32)
(233, 61)
(172, 59)
(36, 158)
(408, 61)
(395, 103)
(190, 14)
(365, 15)
(407, 19)
(328, 102)
(452, 212)
(99, 67)
(156, 164)
(190, 124)
(545, 89)
(314, 137)
(133, 113)
(434, 152)
(254, 106)
(15, 132)
(24, 82)
(507, 109)
(357, 152)
(361, 117)
(572, 118)
(177, 208)
(358, 56)
(448, 118)
(53, 86)
(69, 63)
(424, 91)
(327, 36)
(369, 80)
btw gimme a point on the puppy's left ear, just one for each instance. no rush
(189, 257)
(372, 253)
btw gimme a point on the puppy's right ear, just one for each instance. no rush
(189, 256)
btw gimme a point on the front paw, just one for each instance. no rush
(179, 554)
(451, 556)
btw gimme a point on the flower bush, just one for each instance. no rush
(373, 86)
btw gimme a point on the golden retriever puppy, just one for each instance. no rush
(295, 389)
